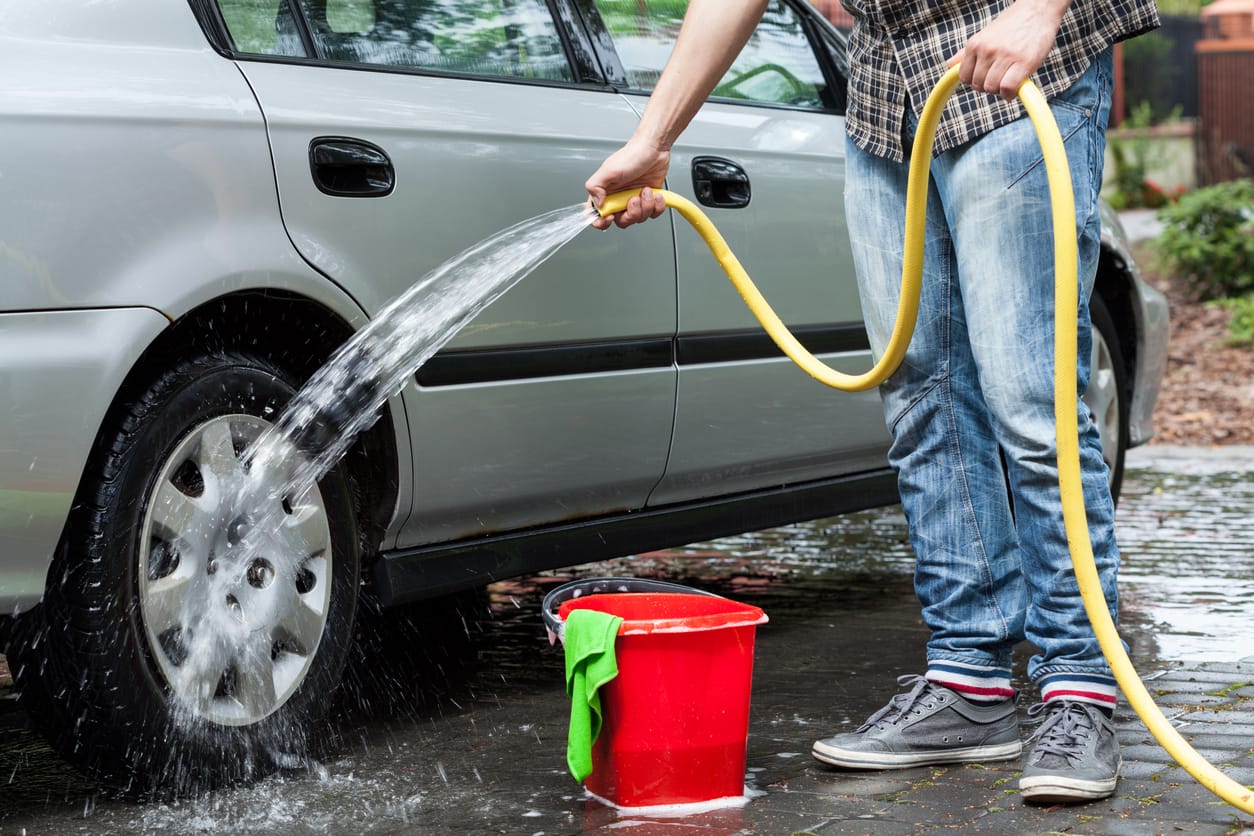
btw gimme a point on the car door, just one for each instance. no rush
(766, 158)
(456, 119)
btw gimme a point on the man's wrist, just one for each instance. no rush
(651, 137)
(1053, 10)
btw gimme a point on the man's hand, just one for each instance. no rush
(712, 35)
(634, 166)
(1000, 58)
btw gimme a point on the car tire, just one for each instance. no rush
(1107, 393)
(107, 675)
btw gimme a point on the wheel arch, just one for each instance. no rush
(298, 334)
(1114, 287)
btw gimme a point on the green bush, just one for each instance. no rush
(1241, 325)
(1208, 240)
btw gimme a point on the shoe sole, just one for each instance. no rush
(1057, 789)
(851, 759)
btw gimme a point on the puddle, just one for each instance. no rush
(1187, 534)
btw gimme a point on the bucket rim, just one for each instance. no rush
(570, 590)
(738, 614)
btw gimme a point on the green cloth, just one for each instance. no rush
(588, 640)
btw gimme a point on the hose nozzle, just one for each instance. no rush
(614, 203)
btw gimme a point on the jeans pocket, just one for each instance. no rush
(1071, 119)
(1082, 105)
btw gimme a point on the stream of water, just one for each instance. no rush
(275, 482)
(343, 398)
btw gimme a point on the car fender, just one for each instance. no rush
(1151, 319)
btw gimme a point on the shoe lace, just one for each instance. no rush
(1064, 731)
(902, 705)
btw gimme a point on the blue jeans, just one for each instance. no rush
(976, 386)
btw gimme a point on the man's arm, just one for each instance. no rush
(712, 35)
(1000, 57)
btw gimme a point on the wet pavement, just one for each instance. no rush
(458, 724)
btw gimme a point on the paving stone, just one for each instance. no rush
(1149, 752)
(1240, 666)
(872, 827)
(1209, 701)
(1236, 741)
(1168, 711)
(1142, 769)
(1221, 717)
(1113, 826)
(1196, 676)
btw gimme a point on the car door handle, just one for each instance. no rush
(720, 183)
(347, 167)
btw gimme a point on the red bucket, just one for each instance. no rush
(676, 718)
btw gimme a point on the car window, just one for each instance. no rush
(262, 27)
(777, 66)
(503, 38)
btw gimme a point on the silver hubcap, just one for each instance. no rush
(1102, 398)
(234, 584)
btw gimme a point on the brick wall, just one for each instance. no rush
(1225, 82)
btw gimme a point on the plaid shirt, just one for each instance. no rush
(899, 48)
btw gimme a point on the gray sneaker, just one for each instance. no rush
(927, 725)
(1076, 756)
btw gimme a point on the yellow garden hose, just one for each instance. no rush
(1066, 291)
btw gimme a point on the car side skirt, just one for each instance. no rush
(415, 574)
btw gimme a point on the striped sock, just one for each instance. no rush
(1092, 688)
(976, 683)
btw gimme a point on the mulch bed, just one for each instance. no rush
(1207, 395)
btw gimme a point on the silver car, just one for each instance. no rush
(200, 201)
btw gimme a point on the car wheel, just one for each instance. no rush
(1107, 395)
(170, 658)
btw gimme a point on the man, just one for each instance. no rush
(971, 408)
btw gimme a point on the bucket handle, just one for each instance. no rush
(596, 586)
